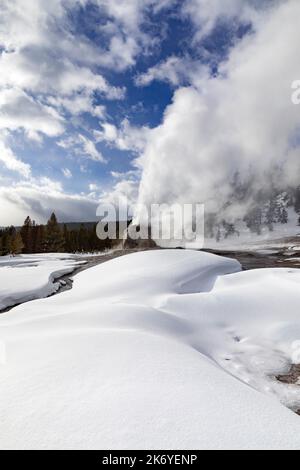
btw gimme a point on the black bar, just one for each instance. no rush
(103, 459)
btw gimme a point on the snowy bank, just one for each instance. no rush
(163, 349)
(29, 277)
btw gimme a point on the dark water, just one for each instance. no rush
(261, 260)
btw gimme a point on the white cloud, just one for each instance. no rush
(123, 195)
(125, 26)
(12, 163)
(174, 70)
(131, 174)
(89, 149)
(58, 75)
(127, 137)
(75, 78)
(94, 187)
(29, 34)
(206, 13)
(77, 104)
(67, 173)
(47, 69)
(131, 13)
(82, 146)
(50, 69)
(19, 111)
(39, 198)
(243, 120)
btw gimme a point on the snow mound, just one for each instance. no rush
(163, 349)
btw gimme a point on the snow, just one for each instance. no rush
(28, 277)
(163, 349)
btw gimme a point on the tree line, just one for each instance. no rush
(266, 210)
(51, 238)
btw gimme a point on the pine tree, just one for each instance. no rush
(38, 238)
(54, 241)
(254, 220)
(6, 241)
(72, 246)
(17, 244)
(297, 200)
(26, 234)
(270, 214)
(66, 236)
(83, 239)
(229, 229)
(284, 216)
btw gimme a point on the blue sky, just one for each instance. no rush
(85, 82)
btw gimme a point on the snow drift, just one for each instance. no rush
(162, 349)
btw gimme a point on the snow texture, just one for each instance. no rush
(164, 349)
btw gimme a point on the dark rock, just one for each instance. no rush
(292, 377)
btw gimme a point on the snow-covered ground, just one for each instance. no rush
(161, 349)
(28, 277)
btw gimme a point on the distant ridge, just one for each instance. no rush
(70, 225)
